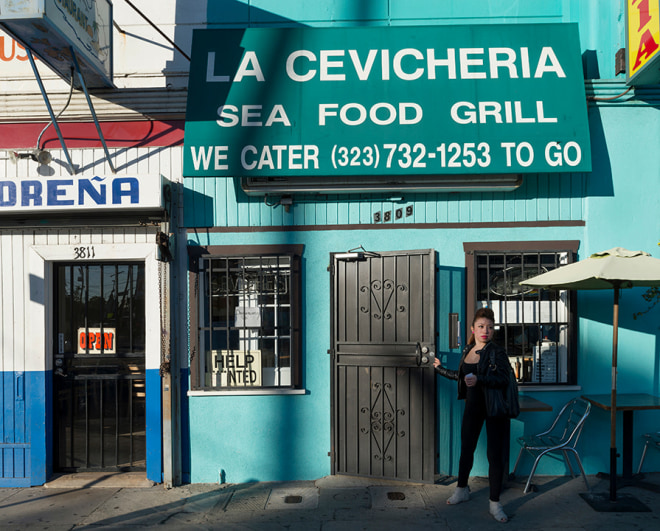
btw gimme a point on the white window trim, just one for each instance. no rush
(256, 392)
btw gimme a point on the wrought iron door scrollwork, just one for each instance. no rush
(383, 290)
(383, 420)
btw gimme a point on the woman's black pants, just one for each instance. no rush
(497, 432)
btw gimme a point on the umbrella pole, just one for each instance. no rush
(615, 341)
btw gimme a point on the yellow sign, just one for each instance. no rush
(643, 35)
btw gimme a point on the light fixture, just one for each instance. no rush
(42, 156)
(393, 184)
(354, 255)
(349, 257)
(38, 155)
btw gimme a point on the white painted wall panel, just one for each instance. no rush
(25, 253)
(25, 286)
(7, 301)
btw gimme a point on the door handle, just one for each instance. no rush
(421, 353)
(59, 368)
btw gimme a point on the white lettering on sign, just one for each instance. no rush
(386, 101)
(279, 157)
(556, 155)
(249, 67)
(524, 153)
(251, 116)
(402, 155)
(203, 156)
(96, 340)
(472, 63)
(379, 113)
(465, 112)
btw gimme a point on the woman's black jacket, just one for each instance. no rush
(498, 378)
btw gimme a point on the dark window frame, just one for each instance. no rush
(294, 253)
(122, 350)
(474, 249)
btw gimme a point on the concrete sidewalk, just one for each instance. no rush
(332, 503)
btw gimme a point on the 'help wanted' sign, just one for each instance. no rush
(236, 368)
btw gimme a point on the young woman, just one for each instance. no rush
(473, 376)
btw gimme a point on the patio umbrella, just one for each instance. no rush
(615, 269)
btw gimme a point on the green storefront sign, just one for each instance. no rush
(489, 99)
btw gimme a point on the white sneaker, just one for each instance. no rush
(461, 494)
(497, 511)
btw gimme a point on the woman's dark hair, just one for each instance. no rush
(481, 313)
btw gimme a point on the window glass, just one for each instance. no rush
(533, 325)
(100, 300)
(246, 323)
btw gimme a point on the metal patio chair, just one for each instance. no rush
(561, 438)
(653, 441)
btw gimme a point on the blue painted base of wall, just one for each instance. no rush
(26, 450)
(24, 460)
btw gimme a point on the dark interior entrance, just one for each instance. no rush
(383, 341)
(99, 370)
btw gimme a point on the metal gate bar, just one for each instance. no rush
(94, 396)
(383, 388)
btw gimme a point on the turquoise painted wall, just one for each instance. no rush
(288, 437)
(621, 207)
(251, 433)
(541, 197)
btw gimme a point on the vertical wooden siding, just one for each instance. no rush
(23, 387)
(219, 202)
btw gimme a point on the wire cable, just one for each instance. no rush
(58, 114)
(609, 98)
(157, 29)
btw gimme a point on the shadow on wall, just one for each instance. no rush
(219, 14)
(597, 306)
(649, 319)
(280, 420)
(590, 64)
(212, 14)
(198, 205)
(602, 186)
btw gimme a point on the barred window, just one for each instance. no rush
(537, 327)
(248, 323)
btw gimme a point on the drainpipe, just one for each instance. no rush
(165, 373)
(164, 289)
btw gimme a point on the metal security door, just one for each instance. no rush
(383, 340)
(99, 367)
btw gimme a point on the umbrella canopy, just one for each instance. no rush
(614, 269)
(618, 266)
